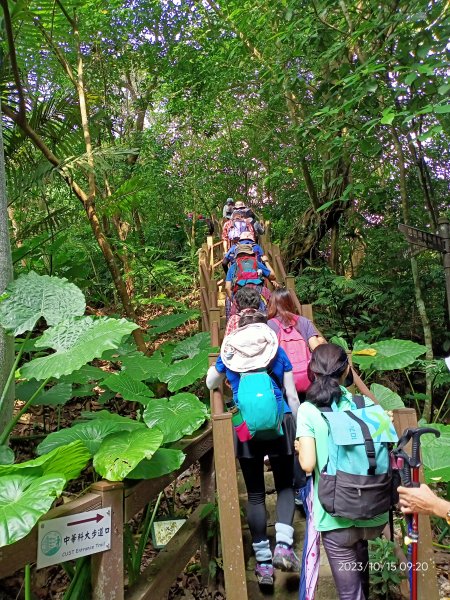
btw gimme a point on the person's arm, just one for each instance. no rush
(228, 288)
(316, 340)
(422, 500)
(291, 392)
(267, 271)
(307, 453)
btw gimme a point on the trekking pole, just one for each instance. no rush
(409, 469)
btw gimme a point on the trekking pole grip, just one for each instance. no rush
(416, 435)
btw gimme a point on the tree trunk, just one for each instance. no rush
(6, 275)
(421, 308)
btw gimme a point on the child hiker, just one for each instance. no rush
(344, 538)
(251, 354)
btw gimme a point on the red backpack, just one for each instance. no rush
(246, 271)
(297, 350)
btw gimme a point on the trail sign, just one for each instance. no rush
(422, 238)
(432, 241)
(67, 538)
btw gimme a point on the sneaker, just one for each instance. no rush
(264, 573)
(284, 558)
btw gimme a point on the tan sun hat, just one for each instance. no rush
(239, 204)
(249, 348)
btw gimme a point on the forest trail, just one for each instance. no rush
(286, 584)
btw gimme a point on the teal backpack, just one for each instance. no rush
(259, 406)
(356, 482)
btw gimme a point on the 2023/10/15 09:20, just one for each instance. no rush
(380, 566)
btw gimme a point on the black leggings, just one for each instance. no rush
(253, 472)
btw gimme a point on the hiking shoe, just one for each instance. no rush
(264, 573)
(284, 558)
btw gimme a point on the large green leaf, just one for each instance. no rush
(177, 416)
(185, 372)
(84, 375)
(129, 388)
(91, 434)
(138, 366)
(33, 296)
(57, 394)
(121, 452)
(77, 342)
(6, 455)
(436, 453)
(68, 460)
(390, 354)
(168, 322)
(23, 500)
(191, 346)
(165, 460)
(386, 397)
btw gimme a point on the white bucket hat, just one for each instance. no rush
(249, 348)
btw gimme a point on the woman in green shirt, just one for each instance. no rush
(344, 540)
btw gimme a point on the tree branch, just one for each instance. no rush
(13, 58)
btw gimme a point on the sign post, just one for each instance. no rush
(432, 241)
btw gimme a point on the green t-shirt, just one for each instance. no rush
(310, 423)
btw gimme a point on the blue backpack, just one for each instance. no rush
(259, 406)
(356, 482)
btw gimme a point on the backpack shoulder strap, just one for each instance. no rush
(368, 442)
(359, 401)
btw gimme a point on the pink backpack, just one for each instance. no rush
(297, 350)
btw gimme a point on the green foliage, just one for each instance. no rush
(185, 372)
(388, 399)
(68, 461)
(168, 322)
(389, 354)
(191, 346)
(91, 434)
(164, 461)
(435, 454)
(385, 572)
(6, 455)
(76, 341)
(23, 500)
(33, 296)
(179, 415)
(128, 387)
(121, 452)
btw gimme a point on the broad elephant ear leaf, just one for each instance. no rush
(76, 341)
(6, 455)
(129, 388)
(91, 434)
(177, 416)
(185, 372)
(165, 460)
(435, 453)
(121, 452)
(23, 500)
(33, 296)
(68, 460)
(388, 399)
(387, 355)
(168, 322)
(191, 346)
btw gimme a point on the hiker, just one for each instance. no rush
(247, 270)
(248, 301)
(253, 350)
(249, 214)
(246, 237)
(228, 209)
(424, 501)
(344, 537)
(234, 227)
(298, 336)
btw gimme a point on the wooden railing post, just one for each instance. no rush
(214, 317)
(210, 244)
(108, 567)
(213, 293)
(208, 548)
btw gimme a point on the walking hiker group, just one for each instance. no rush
(328, 449)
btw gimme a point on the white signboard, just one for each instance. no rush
(68, 538)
